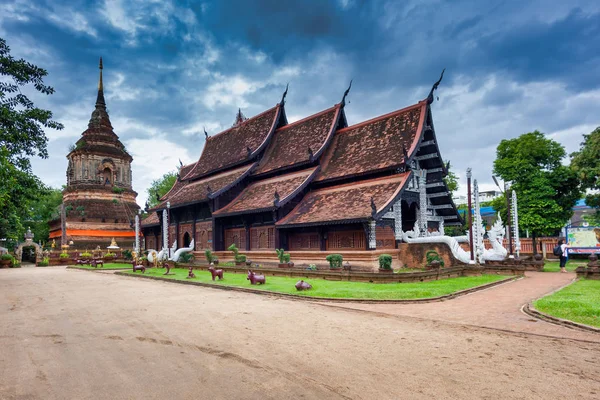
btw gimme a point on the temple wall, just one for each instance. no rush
(413, 255)
(89, 168)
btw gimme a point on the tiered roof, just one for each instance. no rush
(204, 189)
(237, 144)
(300, 142)
(353, 202)
(268, 194)
(374, 145)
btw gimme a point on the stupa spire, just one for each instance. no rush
(100, 99)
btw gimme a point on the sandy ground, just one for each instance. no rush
(68, 334)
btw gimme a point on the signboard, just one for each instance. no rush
(583, 239)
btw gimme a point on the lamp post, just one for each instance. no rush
(508, 219)
(469, 216)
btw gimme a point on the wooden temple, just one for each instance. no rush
(316, 184)
(99, 203)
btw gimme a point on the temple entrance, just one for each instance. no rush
(28, 255)
(409, 215)
(29, 252)
(186, 239)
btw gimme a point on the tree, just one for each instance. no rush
(546, 189)
(586, 164)
(451, 180)
(43, 209)
(160, 187)
(21, 136)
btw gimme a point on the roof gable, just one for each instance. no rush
(237, 144)
(300, 142)
(374, 145)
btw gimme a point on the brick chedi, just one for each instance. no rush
(98, 199)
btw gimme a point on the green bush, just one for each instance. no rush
(335, 260)
(209, 256)
(433, 255)
(44, 263)
(64, 255)
(127, 255)
(86, 255)
(240, 258)
(312, 267)
(385, 261)
(109, 255)
(117, 190)
(5, 257)
(186, 257)
(283, 256)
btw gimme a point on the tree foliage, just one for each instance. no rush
(160, 187)
(451, 180)
(546, 189)
(586, 164)
(21, 136)
(43, 209)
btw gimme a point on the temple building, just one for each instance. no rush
(316, 184)
(98, 201)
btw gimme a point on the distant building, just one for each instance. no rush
(99, 202)
(488, 195)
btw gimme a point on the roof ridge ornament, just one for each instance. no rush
(276, 198)
(310, 154)
(282, 102)
(434, 87)
(205, 133)
(343, 102)
(373, 207)
(239, 118)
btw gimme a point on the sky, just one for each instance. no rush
(173, 68)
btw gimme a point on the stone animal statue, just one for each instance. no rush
(83, 262)
(168, 267)
(191, 273)
(138, 267)
(95, 263)
(256, 279)
(216, 273)
(301, 285)
(152, 256)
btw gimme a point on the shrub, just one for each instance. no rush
(433, 255)
(117, 190)
(233, 248)
(209, 256)
(385, 261)
(312, 267)
(109, 255)
(186, 257)
(86, 255)
(335, 260)
(44, 263)
(240, 258)
(64, 255)
(127, 255)
(15, 263)
(5, 257)
(283, 256)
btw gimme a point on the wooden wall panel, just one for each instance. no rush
(384, 236)
(262, 238)
(304, 241)
(237, 236)
(346, 240)
(204, 239)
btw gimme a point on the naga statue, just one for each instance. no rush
(453, 242)
(496, 237)
(177, 254)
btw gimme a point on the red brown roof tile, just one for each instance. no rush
(236, 144)
(343, 203)
(290, 144)
(260, 196)
(373, 145)
(150, 220)
(197, 191)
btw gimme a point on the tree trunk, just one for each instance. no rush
(534, 243)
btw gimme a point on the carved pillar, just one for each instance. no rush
(137, 234)
(165, 233)
(515, 223)
(478, 230)
(398, 220)
(371, 229)
(63, 224)
(422, 175)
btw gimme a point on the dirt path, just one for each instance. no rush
(68, 334)
(498, 307)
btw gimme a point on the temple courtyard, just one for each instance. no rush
(95, 335)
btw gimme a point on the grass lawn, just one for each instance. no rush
(106, 266)
(340, 289)
(579, 302)
(554, 266)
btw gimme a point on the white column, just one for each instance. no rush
(422, 175)
(137, 234)
(372, 238)
(398, 220)
(515, 223)
(478, 230)
(165, 230)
